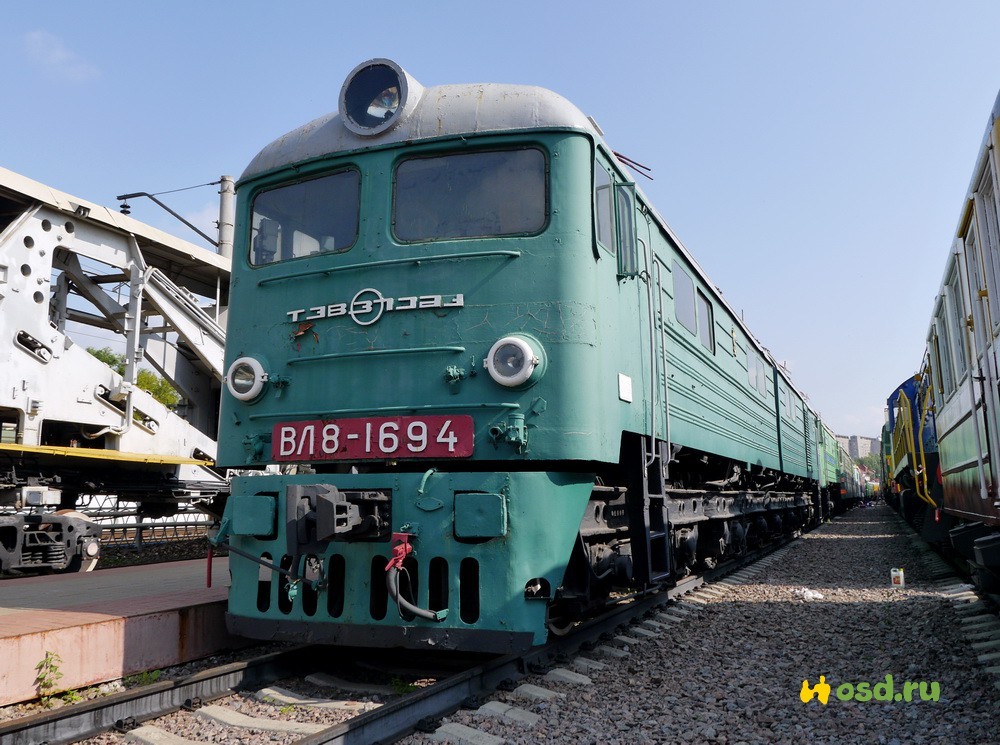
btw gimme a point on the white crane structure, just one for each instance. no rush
(75, 274)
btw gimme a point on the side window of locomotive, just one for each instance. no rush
(628, 256)
(684, 309)
(756, 373)
(470, 195)
(604, 208)
(706, 322)
(305, 218)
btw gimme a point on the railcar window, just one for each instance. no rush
(942, 343)
(956, 319)
(470, 195)
(990, 235)
(976, 285)
(706, 323)
(684, 309)
(756, 373)
(309, 217)
(936, 352)
(603, 206)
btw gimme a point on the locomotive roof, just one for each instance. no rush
(440, 111)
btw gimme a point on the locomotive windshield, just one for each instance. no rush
(470, 195)
(309, 217)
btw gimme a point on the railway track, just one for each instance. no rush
(463, 685)
(122, 711)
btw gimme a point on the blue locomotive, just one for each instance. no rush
(493, 388)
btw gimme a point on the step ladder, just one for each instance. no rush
(646, 501)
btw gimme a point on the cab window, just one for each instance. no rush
(470, 195)
(603, 209)
(305, 218)
(614, 219)
(628, 253)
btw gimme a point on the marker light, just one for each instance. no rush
(515, 360)
(246, 378)
(373, 97)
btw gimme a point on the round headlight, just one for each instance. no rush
(246, 378)
(515, 360)
(373, 97)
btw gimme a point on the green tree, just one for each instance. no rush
(115, 361)
(872, 461)
(157, 387)
(147, 380)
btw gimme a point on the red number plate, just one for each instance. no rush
(375, 437)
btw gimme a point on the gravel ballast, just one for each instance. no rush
(733, 669)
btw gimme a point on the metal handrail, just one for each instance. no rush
(922, 476)
(903, 440)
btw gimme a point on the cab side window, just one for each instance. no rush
(614, 219)
(602, 209)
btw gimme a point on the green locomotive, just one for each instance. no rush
(493, 387)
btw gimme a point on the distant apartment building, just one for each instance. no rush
(858, 446)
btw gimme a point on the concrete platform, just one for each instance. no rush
(107, 624)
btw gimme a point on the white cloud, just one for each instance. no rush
(56, 60)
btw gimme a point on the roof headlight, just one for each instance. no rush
(516, 360)
(374, 96)
(246, 378)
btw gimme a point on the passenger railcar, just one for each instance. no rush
(500, 389)
(944, 424)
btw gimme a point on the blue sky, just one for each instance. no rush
(812, 156)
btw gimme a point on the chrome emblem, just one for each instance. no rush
(369, 305)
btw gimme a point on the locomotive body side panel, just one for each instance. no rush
(721, 395)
